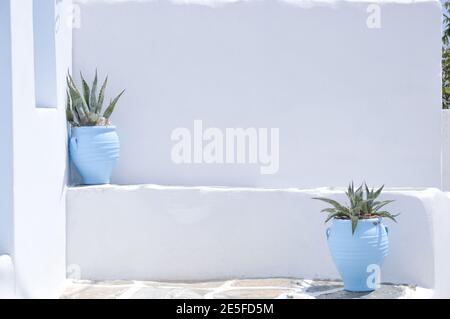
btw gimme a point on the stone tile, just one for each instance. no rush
(186, 285)
(384, 292)
(164, 293)
(319, 286)
(295, 295)
(96, 292)
(240, 289)
(81, 282)
(272, 282)
(115, 283)
(247, 293)
(72, 290)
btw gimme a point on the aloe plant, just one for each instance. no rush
(85, 107)
(363, 204)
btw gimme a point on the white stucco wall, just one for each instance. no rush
(202, 233)
(39, 157)
(351, 102)
(6, 160)
(446, 150)
(7, 278)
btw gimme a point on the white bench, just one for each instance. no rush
(152, 232)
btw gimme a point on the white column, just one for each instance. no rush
(6, 157)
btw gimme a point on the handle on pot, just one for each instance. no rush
(387, 229)
(74, 142)
(327, 232)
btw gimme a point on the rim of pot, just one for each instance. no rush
(374, 219)
(93, 127)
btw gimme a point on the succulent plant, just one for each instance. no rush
(85, 107)
(363, 204)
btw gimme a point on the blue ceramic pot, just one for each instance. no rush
(94, 150)
(358, 257)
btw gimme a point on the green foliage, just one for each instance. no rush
(363, 204)
(84, 108)
(446, 57)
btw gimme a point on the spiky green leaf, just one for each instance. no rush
(380, 205)
(387, 215)
(333, 203)
(333, 215)
(328, 210)
(77, 97)
(72, 117)
(110, 109)
(77, 103)
(101, 96)
(93, 96)
(355, 220)
(86, 91)
(378, 192)
(362, 205)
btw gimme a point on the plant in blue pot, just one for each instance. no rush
(94, 144)
(358, 238)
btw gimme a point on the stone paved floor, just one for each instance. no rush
(233, 289)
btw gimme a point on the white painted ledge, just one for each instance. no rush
(7, 284)
(151, 232)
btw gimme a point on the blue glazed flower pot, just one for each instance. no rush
(94, 150)
(358, 257)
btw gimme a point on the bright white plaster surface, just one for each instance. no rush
(359, 93)
(351, 102)
(36, 216)
(6, 158)
(151, 232)
(446, 150)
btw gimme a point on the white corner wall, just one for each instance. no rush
(38, 147)
(44, 53)
(6, 162)
(446, 150)
(351, 102)
(151, 232)
(7, 278)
